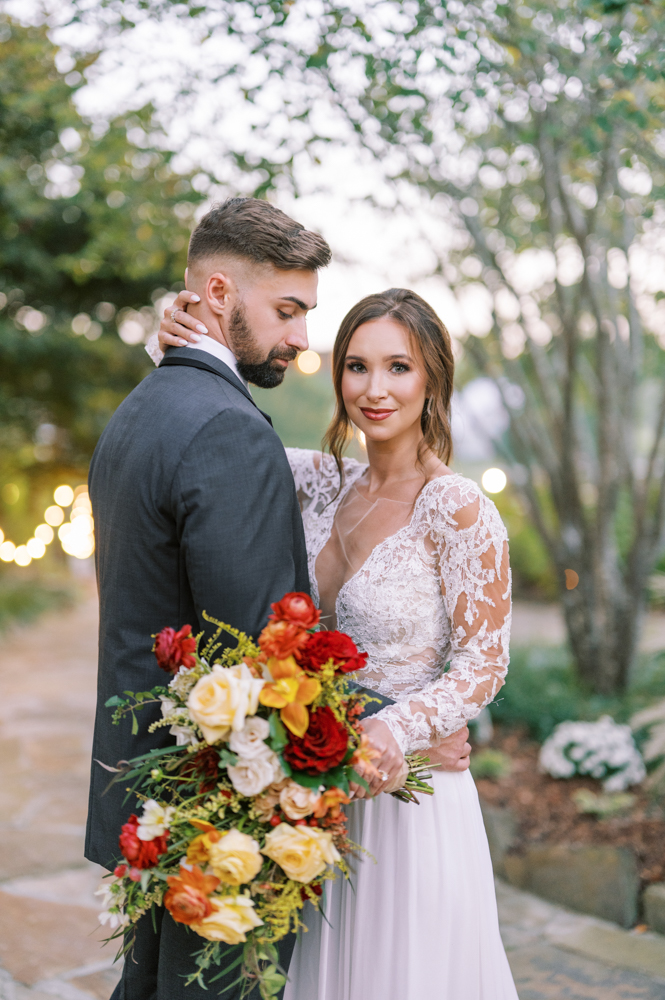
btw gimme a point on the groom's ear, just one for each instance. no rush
(219, 291)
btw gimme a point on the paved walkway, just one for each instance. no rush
(50, 943)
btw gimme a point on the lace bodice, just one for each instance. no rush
(430, 605)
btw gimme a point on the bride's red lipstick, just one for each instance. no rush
(375, 414)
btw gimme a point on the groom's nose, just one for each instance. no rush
(297, 335)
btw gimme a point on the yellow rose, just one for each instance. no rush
(302, 852)
(235, 858)
(220, 701)
(231, 918)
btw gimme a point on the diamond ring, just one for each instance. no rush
(173, 315)
(383, 775)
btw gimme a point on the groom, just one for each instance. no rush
(195, 510)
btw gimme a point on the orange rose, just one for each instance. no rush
(282, 639)
(297, 608)
(187, 896)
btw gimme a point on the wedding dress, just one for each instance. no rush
(424, 588)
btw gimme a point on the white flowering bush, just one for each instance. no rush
(602, 749)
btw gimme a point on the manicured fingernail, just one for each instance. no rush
(182, 343)
(195, 338)
(196, 298)
(201, 328)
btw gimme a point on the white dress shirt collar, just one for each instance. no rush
(220, 351)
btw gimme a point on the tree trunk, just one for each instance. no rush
(603, 633)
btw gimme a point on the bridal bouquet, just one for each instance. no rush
(242, 820)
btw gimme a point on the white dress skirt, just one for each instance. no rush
(420, 921)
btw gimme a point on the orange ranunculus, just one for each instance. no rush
(330, 803)
(365, 754)
(199, 848)
(297, 608)
(281, 639)
(187, 896)
(291, 690)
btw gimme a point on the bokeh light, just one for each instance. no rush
(309, 362)
(7, 550)
(77, 536)
(45, 533)
(54, 516)
(36, 548)
(494, 480)
(2, 536)
(21, 556)
(63, 495)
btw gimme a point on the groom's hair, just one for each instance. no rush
(256, 231)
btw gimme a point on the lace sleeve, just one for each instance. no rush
(153, 349)
(471, 543)
(316, 476)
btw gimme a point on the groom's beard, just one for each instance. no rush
(264, 373)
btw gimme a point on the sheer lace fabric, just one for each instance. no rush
(420, 587)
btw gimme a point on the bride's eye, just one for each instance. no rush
(355, 366)
(399, 368)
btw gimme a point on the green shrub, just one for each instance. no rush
(23, 601)
(542, 690)
(490, 764)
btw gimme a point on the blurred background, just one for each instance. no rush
(507, 162)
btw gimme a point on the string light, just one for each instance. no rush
(76, 535)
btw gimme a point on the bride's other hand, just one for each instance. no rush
(178, 328)
(390, 761)
(452, 753)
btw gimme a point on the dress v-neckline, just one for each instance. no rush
(336, 503)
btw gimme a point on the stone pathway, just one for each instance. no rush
(50, 942)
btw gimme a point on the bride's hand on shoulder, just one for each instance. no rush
(389, 769)
(177, 327)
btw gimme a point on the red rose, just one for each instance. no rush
(335, 646)
(174, 649)
(297, 608)
(140, 853)
(323, 746)
(282, 639)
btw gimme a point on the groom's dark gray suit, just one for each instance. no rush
(195, 510)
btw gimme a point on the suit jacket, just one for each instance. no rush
(195, 510)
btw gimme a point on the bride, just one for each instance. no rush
(411, 560)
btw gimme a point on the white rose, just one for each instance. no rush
(220, 701)
(155, 821)
(250, 777)
(298, 801)
(249, 741)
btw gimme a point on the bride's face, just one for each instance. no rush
(384, 383)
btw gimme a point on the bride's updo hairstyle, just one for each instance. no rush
(432, 340)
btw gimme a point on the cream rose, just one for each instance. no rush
(232, 917)
(251, 777)
(298, 801)
(235, 858)
(220, 701)
(249, 742)
(264, 805)
(302, 852)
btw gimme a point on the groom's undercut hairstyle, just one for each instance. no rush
(256, 231)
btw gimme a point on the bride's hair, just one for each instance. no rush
(431, 337)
